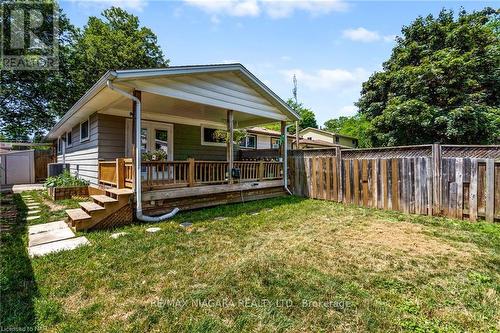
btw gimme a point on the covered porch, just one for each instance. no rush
(225, 100)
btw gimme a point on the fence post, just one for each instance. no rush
(191, 172)
(436, 178)
(338, 157)
(120, 173)
(261, 170)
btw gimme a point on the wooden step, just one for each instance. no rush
(90, 206)
(77, 214)
(120, 191)
(103, 198)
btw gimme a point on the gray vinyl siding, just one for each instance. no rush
(111, 137)
(83, 156)
(106, 142)
(187, 143)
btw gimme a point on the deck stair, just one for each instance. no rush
(92, 214)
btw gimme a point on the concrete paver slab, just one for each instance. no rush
(63, 245)
(50, 236)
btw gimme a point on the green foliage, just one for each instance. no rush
(307, 116)
(157, 155)
(115, 42)
(356, 126)
(441, 83)
(65, 179)
(30, 101)
(223, 135)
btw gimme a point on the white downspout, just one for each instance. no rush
(285, 162)
(138, 181)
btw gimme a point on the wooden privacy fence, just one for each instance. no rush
(415, 179)
(42, 159)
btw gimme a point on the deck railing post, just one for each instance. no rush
(261, 170)
(120, 173)
(191, 179)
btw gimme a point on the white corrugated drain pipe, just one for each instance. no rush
(285, 162)
(138, 181)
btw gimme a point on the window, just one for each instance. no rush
(84, 130)
(59, 145)
(355, 143)
(250, 141)
(275, 143)
(69, 139)
(208, 137)
(337, 139)
(161, 140)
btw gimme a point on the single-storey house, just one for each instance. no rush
(314, 143)
(310, 133)
(263, 138)
(149, 136)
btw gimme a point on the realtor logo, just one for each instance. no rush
(29, 36)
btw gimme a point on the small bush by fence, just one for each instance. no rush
(448, 180)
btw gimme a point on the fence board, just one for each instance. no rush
(469, 186)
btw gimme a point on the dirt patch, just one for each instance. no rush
(405, 237)
(53, 206)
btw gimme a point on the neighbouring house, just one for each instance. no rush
(181, 109)
(314, 143)
(310, 133)
(263, 138)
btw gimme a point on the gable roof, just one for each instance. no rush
(265, 131)
(331, 134)
(122, 76)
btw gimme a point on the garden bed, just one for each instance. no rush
(61, 193)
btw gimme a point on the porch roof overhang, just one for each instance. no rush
(201, 92)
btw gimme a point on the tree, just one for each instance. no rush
(31, 101)
(115, 42)
(441, 83)
(307, 116)
(356, 126)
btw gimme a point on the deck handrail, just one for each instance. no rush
(189, 173)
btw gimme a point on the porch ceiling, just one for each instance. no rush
(161, 107)
(203, 93)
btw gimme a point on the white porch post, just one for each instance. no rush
(230, 150)
(63, 141)
(135, 138)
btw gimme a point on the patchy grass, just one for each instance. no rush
(279, 265)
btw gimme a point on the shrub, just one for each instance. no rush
(65, 179)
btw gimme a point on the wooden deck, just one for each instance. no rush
(193, 184)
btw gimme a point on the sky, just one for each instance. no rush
(331, 46)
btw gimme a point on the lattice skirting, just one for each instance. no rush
(123, 216)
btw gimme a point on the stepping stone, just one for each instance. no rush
(31, 212)
(50, 236)
(152, 230)
(30, 201)
(253, 214)
(63, 245)
(35, 229)
(33, 206)
(33, 217)
(186, 224)
(220, 218)
(117, 234)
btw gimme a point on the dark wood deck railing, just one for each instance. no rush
(172, 174)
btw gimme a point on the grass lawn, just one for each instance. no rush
(286, 264)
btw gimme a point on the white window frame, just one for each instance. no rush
(59, 146)
(150, 126)
(88, 131)
(204, 143)
(246, 142)
(68, 145)
(272, 144)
